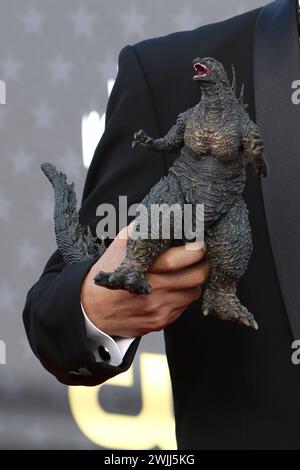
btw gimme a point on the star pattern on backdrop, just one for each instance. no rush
(22, 162)
(186, 18)
(133, 21)
(83, 22)
(45, 209)
(56, 58)
(28, 254)
(32, 20)
(5, 206)
(25, 350)
(2, 116)
(44, 116)
(11, 68)
(241, 8)
(8, 297)
(107, 67)
(38, 434)
(70, 163)
(10, 389)
(60, 69)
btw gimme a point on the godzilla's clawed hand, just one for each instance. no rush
(124, 278)
(141, 138)
(261, 168)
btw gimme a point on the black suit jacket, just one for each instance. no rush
(233, 388)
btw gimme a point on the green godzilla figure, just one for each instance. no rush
(217, 140)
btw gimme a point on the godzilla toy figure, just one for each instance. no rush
(216, 140)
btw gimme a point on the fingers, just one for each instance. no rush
(186, 278)
(160, 309)
(183, 298)
(179, 257)
(115, 253)
(174, 305)
(124, 233)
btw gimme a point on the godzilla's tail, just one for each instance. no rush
(75, 242)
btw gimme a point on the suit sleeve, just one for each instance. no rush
(52, 314)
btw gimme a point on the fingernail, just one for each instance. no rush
(198, 245)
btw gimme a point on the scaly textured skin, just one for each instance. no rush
(74, 242)
(217, 140)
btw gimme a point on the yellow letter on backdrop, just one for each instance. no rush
(152, 427)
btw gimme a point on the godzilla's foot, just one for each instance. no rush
(126, 279)
(227, 306)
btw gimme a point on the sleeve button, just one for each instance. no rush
(104, 353)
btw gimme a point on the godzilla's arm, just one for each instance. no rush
(253, 148)
(171, 142)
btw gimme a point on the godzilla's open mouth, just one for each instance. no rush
(201, 70)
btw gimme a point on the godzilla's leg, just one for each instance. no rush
(142, 251)
(229, 246)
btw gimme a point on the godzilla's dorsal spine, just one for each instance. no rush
(74, 242)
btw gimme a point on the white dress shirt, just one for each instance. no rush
(96, 338)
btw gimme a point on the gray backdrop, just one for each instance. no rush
(57, 58)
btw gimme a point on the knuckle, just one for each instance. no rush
(159, 319)
(150, 307)
(201, 273)
(156, 325)
(169, 263)
(176, 314)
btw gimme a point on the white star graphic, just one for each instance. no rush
(60, 69)
(45, 208)
(44, 116)
(8, 297)
(32, 20)
(21, 162)
(133, 22)
(83, 22)
(186, 19)
(10, 67)
(28, 254)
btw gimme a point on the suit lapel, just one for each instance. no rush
(276, 66)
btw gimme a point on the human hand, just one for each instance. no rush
(175, 276)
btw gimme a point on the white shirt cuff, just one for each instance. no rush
(116, 348)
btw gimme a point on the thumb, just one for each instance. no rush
(125, 232)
